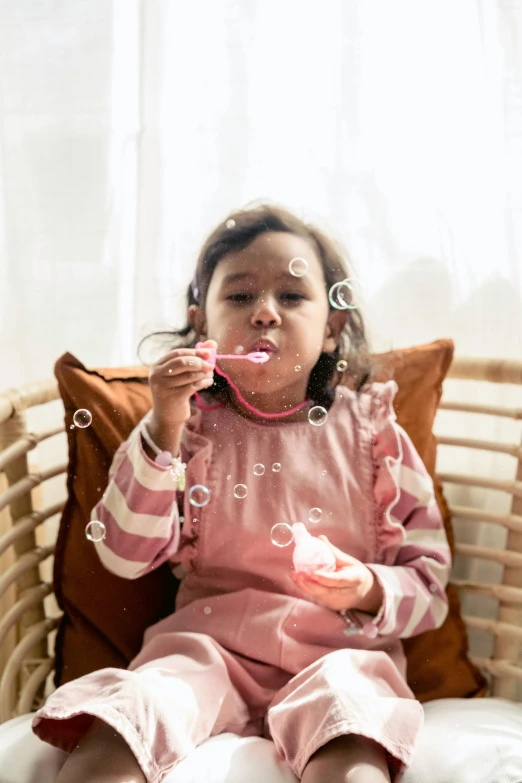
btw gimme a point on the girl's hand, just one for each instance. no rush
(351, 586)
(175, 378)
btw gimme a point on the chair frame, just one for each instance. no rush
(31, 662)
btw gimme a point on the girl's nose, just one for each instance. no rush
(266, 314)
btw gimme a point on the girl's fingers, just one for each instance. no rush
(311, 589)
(185, 354)
(186, 364)
(335, 579)
(342, 557)
(326, 581)
(307, 584)
(205, 382)
(175, 353)
(186, 379)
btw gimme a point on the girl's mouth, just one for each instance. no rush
(264, 346)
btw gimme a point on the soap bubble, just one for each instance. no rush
(341, 296)
(95, 531)
(342, 365)
(229, 477)
(314, 515)
(317, 415)
(240, 491)
(298, 267)
(276, 467)
(281, 534)
(207, 610)
(199, 495)
(259, 469)
(239, 349)
(323, 473)
(231, 223)
(297, 367)
(82, 418)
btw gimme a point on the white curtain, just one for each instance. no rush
(129, 128)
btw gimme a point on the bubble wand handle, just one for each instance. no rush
(258, 357)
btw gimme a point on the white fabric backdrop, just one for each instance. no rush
(128, 129)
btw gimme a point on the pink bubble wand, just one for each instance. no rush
(257, 357)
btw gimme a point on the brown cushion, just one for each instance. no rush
(438, 663)
(105, 616)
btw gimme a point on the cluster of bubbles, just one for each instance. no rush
(281, 534)
(341, 295)
(95, 530)
(259, 468)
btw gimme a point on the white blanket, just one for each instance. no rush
(462, 741)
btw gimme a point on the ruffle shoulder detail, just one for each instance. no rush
(387, 457)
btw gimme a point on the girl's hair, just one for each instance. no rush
(235, 233)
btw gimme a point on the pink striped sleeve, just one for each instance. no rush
(140, 513)
(414, 585)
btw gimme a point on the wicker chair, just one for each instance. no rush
(33, 616)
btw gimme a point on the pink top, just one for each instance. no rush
(360, 468)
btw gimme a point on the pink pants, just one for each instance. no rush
(166, 705)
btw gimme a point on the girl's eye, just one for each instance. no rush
(293, 297)
(240, 297)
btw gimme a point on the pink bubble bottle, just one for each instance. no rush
(310, 553)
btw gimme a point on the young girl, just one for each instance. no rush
(312, 660)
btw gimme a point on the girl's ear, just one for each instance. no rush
(334, 326)
(196, 319)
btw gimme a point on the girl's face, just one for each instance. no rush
(254, 302)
